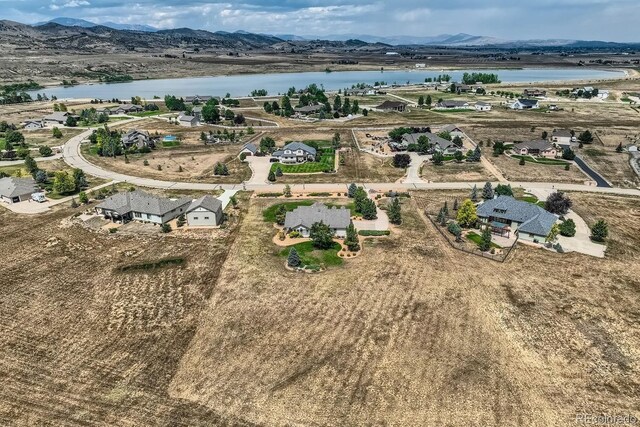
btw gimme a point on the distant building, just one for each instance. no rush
(452, 105)
(56, 118)
(199, 98)
(535, 93)
(561, 136)
(483, 106)
(453, 130)
(197, 113)
(525, 104)
(439, 144)
(249, 149)
(187, 121)
(308, 109)
(141, 206)
(421, 65)
(127, 108)
(33, 125)
(137, 138)
(397, 106)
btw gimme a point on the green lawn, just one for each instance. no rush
(326, 163)
(540, 160)
(314, 258)
(476, 238)
(2, 143)
(169, 144)
(148, 113)
(269, 214)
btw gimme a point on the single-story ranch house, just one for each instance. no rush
(303, 217)
(199, 98)
(57, 118)
(540, 148)
(188, 121)
(505, 215)
(308, 109)
(453, 130)
(205, 212)
(452, 105)
(33, 124)
(483, 106)
(140, 206)
(535, 93)
(442, 145)
(525, 104)
(392, 106)
(128, 108)
(295, 152)
(14, 190)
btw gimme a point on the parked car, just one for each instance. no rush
(38, 197)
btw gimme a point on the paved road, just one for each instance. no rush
(600, 181)
(73, 157)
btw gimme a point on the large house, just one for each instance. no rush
(482, 106)
(442, 145)
(140, 206)
(453, 130)
(33, 124)
(562, 136)
(187, 121)
(524, 104)
(14, 190)
(56, 118)
(540, 148)
(506, 215)
(398, 106)
(535, 93)
(308, 109)
(137, 138)
(198, 98)
(295, 152)
(127, 108)
(249, 149)
(205, 212)
(452, 105)
(302, 219)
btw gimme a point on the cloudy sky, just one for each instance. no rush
(615, 20)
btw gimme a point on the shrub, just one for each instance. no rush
(113, 230)
(401, 160)
(454, 229)
(165, 228)
(45, 151)
(568, 228)
(84, 199)
(146, 163)
(599, 231)
(295, 234)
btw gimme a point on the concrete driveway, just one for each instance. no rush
(581, 242)
(260, 167)
(379, 224)
(413, 171)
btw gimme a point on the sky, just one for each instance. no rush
(610, 20)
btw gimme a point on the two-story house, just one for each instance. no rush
(295, 152)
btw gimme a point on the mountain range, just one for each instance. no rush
(123, 36)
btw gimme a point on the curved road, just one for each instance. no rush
(73, 157)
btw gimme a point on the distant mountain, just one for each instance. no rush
(73, 22)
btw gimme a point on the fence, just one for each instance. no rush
(461, 247)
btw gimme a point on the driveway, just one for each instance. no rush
(260, 167)
(581, 242)
(225, 197)
(379, 224)
(413, 171)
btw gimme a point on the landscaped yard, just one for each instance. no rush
(542, 160)
(314, 258)
(325, 163)
(269, 214)
(477, 239)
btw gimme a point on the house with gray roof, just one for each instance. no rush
(524, 104)
(295, 152)
(137, 138)
(398, 106)
(14, 190)
(308, 109)
(128, 108)
(541, 148)
(249, 149)
(140, 206)
(33, 124)
(56, 118)
(442, 145)
(562, 136)
(187, 120)
(302, 219)
(506, 215)
(205, 212)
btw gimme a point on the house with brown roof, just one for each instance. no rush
(541, 148)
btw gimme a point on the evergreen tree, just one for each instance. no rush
(504, 190)
(293, 260)
(568, 228)
(394, 212)
(351, 240)
(369, 209)
(487, 191)
(455, 204)
(278, 171)
(474, 194)
(352, 190)
(287, 191)
(30, 164)
(599, 231)
(281, 214)
(272, 176)
(485, 239)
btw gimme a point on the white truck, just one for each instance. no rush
(38, 197)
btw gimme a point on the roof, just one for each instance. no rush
(453, 104)
(412, 138)
(207, 202)
(388, 105)
(541, 145)
(451, 128)
(294, 146)
(128, 107)
(528, 102)
(59, 116)
(308, 108)
(186, 118)
(532, 218)
(562, 133)
(251, 147)
(483, 104)
(135, 134)
(139, 201)
(13, 187)
(306, 216)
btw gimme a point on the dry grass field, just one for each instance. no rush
(411, 332)
(452, 171)
(513, 171)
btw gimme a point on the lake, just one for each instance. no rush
(242, 85)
